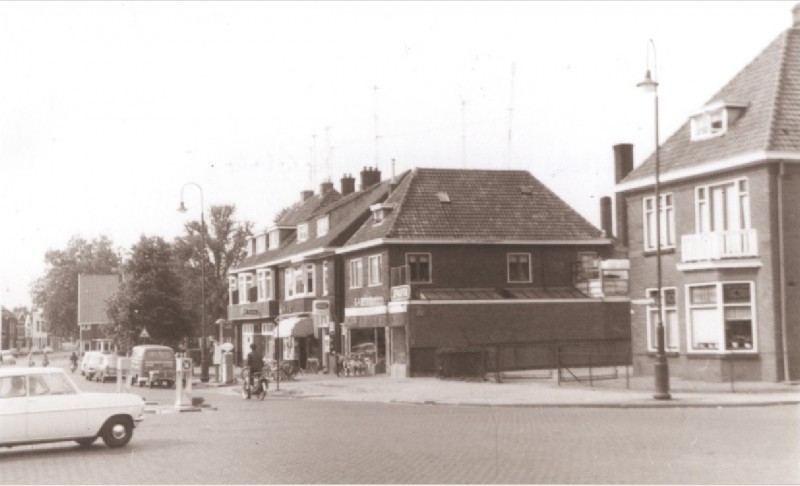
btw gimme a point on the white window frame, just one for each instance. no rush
(671, 330)
(325, 278)
(719, 306)
(288, 283)
(232, 287)
(508, 267)
(356, 266)
(245, 284)
(323, 225)
(702, 124)
(297, 281)
(266, 291)
(666, 220)
(302, 232)
(374, 278)
(430, 267)
(702, 205)
(274, 239)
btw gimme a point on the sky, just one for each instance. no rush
(108, 109)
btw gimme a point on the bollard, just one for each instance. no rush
(183, 394)
(123, 375)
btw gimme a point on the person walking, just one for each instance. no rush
(31, 363)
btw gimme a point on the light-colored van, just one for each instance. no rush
(89, 363)
(153, 364)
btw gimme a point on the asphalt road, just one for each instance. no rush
(283, 440)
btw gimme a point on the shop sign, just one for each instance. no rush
(401, 292)
(250, 312)
(369, 301)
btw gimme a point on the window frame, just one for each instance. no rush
(719, 306)
(702, 124)
(323, 225)
(652, 310)
(266, 289)
(273, 239)
(508, 267)
(302, 232)
(370, 281)
(356, 283)
(703, 212)
(325, 275)
(666, 223)
(430, 267)
(246, 282)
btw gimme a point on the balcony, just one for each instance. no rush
(719, 245)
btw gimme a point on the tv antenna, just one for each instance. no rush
(377, 133)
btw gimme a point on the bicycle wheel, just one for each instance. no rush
(244, 373)
(246, 390)
(262, 391)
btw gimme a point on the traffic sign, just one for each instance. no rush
(144, 333)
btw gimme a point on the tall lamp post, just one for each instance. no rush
(649, 85)
(203, 354)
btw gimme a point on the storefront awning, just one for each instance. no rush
(295, 327)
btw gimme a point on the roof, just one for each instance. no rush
(94, 291)
(486, 205)
(347, 214)
(301, 210)
(769, 86)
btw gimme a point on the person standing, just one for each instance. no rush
(255, 361)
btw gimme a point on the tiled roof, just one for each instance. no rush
(93, 294)
(770, 88)
(302, 210)
(489, 205)
(347, 213)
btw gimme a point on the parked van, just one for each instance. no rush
(153, 364)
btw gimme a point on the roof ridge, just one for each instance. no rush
(410, 178)
(773, 118)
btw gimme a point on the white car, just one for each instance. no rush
(44, 405)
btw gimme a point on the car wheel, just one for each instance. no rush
(86, 442)
(117, 431)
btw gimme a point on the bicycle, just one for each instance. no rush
(260, 384)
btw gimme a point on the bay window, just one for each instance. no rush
(721, 317)
(666, 220)
(669, 319)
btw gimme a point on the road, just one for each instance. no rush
(284, 440)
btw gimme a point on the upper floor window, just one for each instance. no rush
(356, 273)
(374, 270)
(519, 267)
(233, 295)
(721, 317)
(669, 319)
(709, 124)
(666, 221)
(722, 207)
(323, 224)
(245, 286)
(300, 281)
(302, 232)
(419, 267)
(324, 278)
(274, 239)
(265, 288)
(261, 243)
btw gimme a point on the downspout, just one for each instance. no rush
(782, 265)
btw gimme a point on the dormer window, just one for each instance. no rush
(380, 211)
(714, 120)
(274, 239)
(323, 225)
(302, 232)
(261, 243)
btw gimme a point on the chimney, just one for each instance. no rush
(369, 177)
(305, 195)
(348, 184)
(623, 165)
(606, 221)
(325, 187)
(796, 16)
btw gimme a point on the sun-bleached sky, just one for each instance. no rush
(108, 108)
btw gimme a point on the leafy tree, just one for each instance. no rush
(149, 296)
(225, 240)
(57, 291)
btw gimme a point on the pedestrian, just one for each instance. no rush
(255, 361)
(45, 362)
(31, 363)
(73, 361)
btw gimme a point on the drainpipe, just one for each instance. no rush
(782, 258)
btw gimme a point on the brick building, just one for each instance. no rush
(730, 213)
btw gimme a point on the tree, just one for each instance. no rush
(149, 297)
(57, 291)
(225, 242)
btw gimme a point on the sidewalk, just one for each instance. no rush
(520, 393)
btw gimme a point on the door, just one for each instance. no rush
(55, 410)
(12, 408)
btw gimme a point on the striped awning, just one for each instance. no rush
(295, 327)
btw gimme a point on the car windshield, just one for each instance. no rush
(160, 355)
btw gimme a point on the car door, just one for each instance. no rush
(55, 408)
(12, 410)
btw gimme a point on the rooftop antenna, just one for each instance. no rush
(511, 113)
(377, 134)
(464, 132)
(328, 155)
(311, 160)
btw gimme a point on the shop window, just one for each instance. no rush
(721, 317)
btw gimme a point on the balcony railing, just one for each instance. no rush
(719, 245)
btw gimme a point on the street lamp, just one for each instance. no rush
(649, 85)
(203, 355)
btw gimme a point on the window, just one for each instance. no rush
(709, 124)
(669, 318)
(309, 277)
(245, 284)
(288, 280)
(300, 281)
(274, 239)
(419, 267)
(322, 226)
(261, 243)
(374, 270)
(666, 221)
(302, 232)
(722, 207)
(324, 278)
(721, 317)
(356, 276)
(233, 296)
(519, 267)
(265, 289)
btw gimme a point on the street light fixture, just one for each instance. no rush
(649, 85)
(203, 354)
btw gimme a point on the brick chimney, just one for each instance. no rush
(348, 184)
(325, 187)
(796, 16)
(369, 177)
(623, 165)
(305, 195)
(606, 221)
